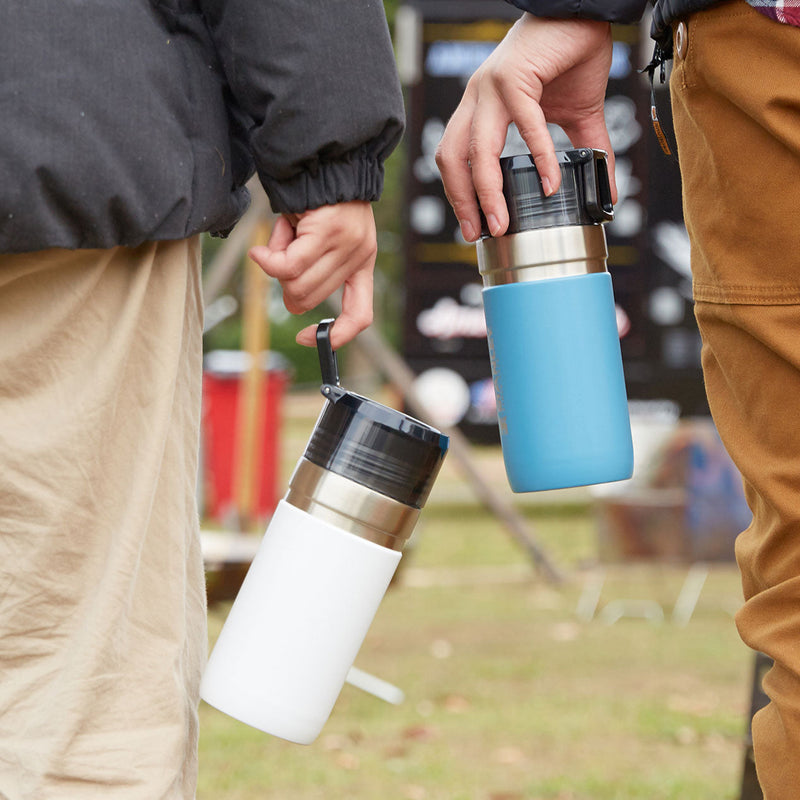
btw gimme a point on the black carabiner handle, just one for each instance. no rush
(328, 365)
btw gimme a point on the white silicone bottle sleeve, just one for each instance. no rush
(296, 625)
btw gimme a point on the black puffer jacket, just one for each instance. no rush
(664, 12)
(123, 121)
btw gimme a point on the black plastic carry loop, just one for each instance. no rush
(328, 365)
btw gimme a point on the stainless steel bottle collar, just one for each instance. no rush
(369, 514)
(542, 254)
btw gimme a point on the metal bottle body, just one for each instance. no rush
(351, 506)
(556, 362)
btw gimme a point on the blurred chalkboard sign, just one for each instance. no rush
(439, 45)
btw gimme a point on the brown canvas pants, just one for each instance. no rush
(736, 103)
(102, 601)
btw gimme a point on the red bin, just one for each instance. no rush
(223, 385)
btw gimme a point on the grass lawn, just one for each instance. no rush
(509, 694)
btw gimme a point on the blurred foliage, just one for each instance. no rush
(388, 281)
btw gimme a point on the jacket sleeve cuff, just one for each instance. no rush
(622, 11)
(357, 176)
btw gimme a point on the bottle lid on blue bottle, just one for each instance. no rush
(584, 197)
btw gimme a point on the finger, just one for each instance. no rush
(334, 252)
(323, 276)
(308, 336)
(281, 236)
(356, 313)
(487, 140)
(453, 163)
(290, 263)
(325, 270)
(261, 254)
(532, 126)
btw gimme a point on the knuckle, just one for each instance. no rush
(449, 158)
(364, 249)
(504, 80)
(366, 319)
(362, 319)
(461, 204)
(369, 245)
(443, 156)
(296, 299)
(337, 225)
(293, 271)
(493, 75)
(474, 148)
(290, 305)
(488, 187)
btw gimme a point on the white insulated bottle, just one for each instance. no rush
(324, 564)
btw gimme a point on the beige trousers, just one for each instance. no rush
(736, 104)
(102, 600)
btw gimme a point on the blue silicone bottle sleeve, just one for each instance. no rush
(557, 367)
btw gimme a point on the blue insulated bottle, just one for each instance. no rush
(551, 322)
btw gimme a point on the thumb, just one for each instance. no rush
(282, 235)
(273, 257)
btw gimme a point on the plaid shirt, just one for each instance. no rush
(787, 11)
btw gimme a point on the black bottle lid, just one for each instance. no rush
(584, 197)
(369, 443)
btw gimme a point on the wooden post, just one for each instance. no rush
(252, 411)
